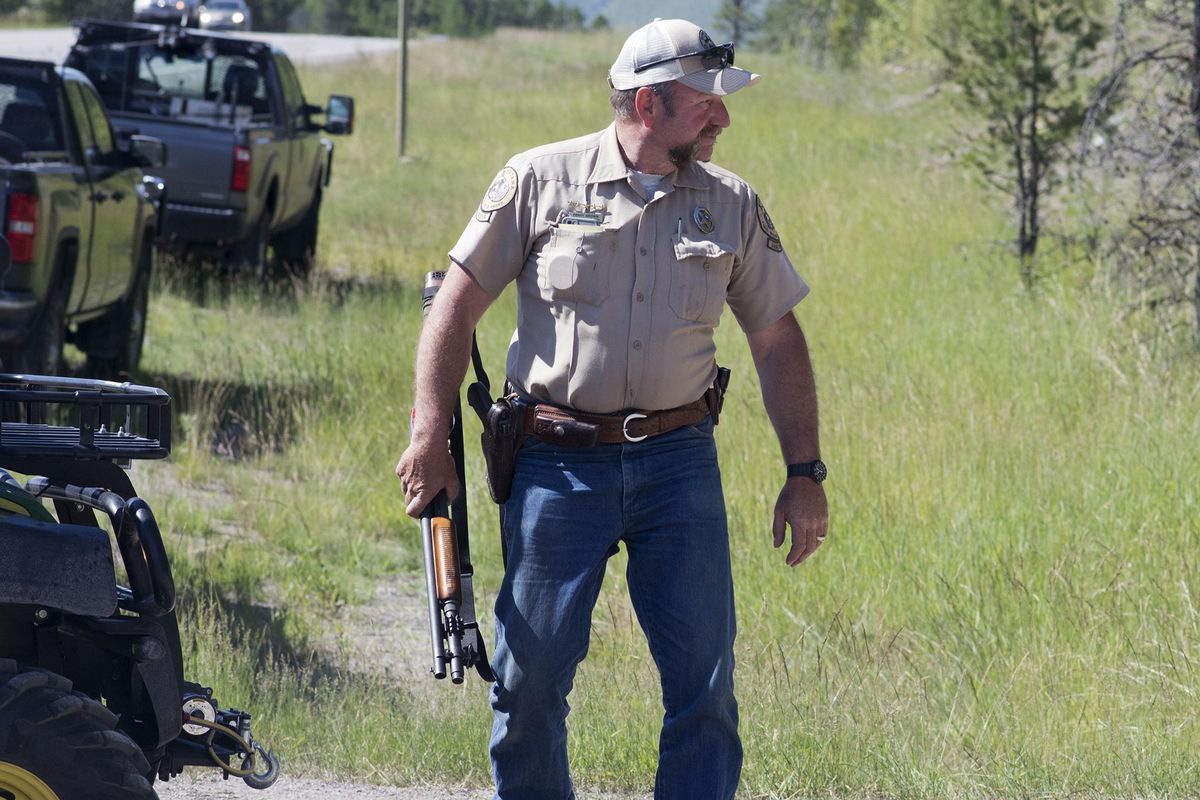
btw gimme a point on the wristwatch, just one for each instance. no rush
(814, 470)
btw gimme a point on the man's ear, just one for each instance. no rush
(647, 104)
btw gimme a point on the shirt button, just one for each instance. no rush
(637, 345)
(643, 251)
(641, 297)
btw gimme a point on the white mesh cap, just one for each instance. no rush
(670, 50)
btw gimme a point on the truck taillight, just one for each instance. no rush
(241, 169)
(22, 225)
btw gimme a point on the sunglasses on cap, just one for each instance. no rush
(715, 57)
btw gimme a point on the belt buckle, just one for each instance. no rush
(625, 427)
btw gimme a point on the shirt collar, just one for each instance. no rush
(611, 166)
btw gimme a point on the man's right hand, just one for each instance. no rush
(423, 472)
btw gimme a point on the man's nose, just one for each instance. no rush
(720, 114)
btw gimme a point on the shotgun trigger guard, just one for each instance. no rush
(625, 427)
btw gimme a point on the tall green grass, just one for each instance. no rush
(1004, 606)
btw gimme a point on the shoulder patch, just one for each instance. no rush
(768, 227)
(501, 192)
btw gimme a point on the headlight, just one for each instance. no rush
(180, 5)
(238, 17)
(205, 18)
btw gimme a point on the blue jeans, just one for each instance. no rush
(569, 509)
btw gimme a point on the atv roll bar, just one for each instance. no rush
(138, 539)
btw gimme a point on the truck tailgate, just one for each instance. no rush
(199, 159)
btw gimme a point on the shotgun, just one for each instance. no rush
(453, 628)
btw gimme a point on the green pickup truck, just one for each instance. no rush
(81, 218)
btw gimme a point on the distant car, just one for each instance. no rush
(225, 15)
(180, 12)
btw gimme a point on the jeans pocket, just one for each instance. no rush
(704, 428)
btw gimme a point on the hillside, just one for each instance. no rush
(628, 14)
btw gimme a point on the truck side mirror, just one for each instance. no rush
(147, 151)
(339, 114)
(154, 190)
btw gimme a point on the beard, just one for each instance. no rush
(684, 154)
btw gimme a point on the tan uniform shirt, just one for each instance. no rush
(618, 295)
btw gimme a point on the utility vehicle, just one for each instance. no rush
(94, 704)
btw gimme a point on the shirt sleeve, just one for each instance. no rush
(764, 285)
(496, 242)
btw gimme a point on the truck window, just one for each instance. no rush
(293, 97)
(29, 119)
(194, 86)
(183, 82)
(80, 116)
(102, 133)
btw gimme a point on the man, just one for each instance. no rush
(625, 247)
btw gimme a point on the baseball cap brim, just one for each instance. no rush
(720, 81)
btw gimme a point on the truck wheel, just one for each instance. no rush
(295, 249)
(56, 744)
(114, 343)
(42, 351)
(250, 254)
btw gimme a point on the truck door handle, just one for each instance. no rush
(99, 197)
(118, 196)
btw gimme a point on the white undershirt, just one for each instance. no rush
(648, 181)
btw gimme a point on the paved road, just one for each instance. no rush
(52, 44)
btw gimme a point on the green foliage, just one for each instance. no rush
(737, 21)
(820, 29)
(67, 10)
(462, 18)
(1143, 158)
(274, 15)
(1019, 65)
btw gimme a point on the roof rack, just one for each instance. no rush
(82, 418)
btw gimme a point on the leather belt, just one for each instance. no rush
(577, 429)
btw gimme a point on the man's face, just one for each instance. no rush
(690, 132)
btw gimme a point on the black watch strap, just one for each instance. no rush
(813, 470)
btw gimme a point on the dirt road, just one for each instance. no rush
(209, 786)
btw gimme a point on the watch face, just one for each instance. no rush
(819, 473)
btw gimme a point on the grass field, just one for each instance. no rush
(1004, 606)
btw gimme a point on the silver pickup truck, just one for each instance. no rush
(246, 161)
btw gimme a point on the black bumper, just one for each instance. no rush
(190, 226)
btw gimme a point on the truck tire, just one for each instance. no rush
(294, 249)
(113, 343)
(41, 353)
(56, 744)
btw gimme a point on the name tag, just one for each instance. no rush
(582, 219)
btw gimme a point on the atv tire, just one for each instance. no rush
(56, 744)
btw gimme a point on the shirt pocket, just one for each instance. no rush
(575, 265)
(700, 278)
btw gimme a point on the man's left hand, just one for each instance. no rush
(801, 504)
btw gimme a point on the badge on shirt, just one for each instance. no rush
(501, 192)
(768, 227)
(703, 219)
